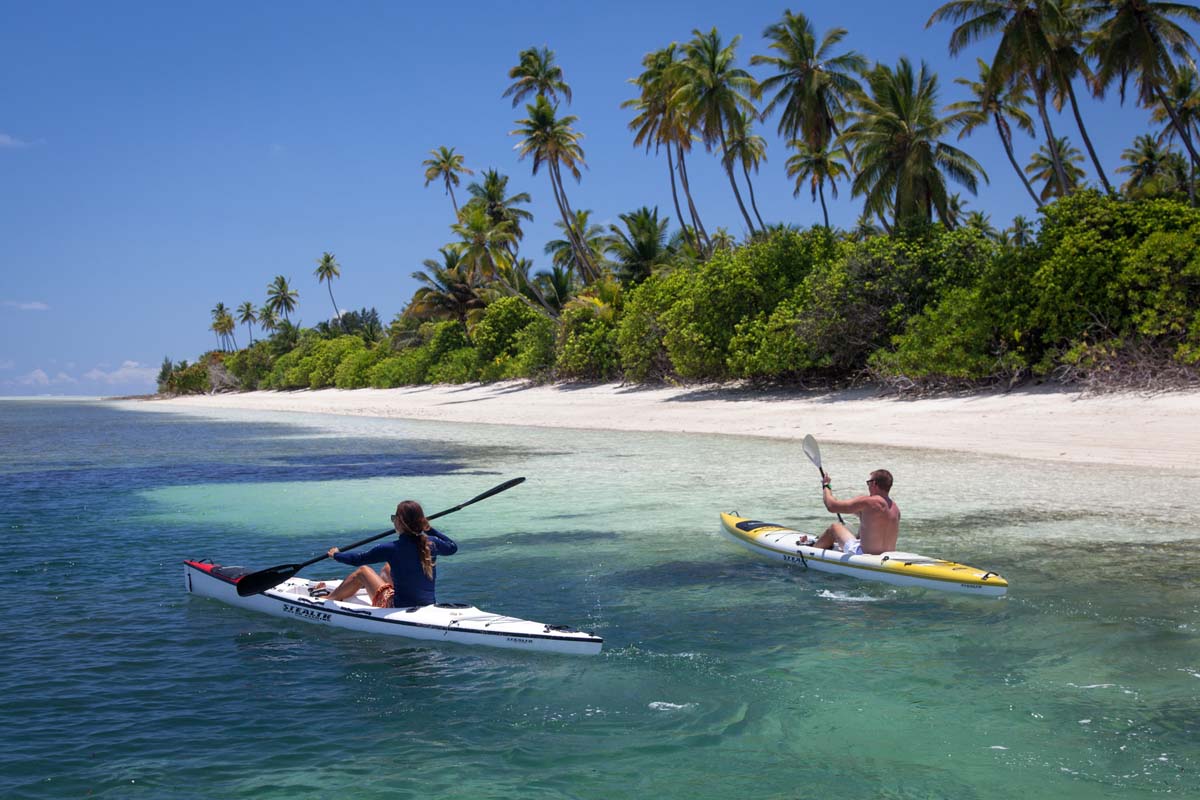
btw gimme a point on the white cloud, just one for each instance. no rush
(33, 305)
(11, 142)
(128, 372)
(39, 378)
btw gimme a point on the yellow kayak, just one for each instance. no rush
(781, 543)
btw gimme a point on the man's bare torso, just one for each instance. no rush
(879, 526)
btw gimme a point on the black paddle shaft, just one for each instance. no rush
(264, 579)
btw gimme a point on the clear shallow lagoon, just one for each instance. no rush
(722, 675)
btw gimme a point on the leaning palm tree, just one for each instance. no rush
(659, 122)
(902, 157)
(1025, 48)
(812, 86)
(817, 168)
(328, 269)
(492, 194)
(749, 150)
(1141, 39)
(537, 74)
(446, 165)
(997, 104)
(711, 93)
(247, 317)
(1042, 168)
(641, 246)
(552, 140)
(281, 298)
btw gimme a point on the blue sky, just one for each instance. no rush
(157, 158)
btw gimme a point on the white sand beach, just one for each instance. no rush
(1161, 430)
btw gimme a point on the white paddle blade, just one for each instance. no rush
(812, 450)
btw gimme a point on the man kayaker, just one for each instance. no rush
(411, 563)
(878, 514)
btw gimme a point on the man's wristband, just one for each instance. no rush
(826, 486)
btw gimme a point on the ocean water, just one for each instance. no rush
(722, 675)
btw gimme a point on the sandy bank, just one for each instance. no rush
(1159, 431)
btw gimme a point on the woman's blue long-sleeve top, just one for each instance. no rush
(412, 587)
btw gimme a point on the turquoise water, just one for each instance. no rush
(722, 675)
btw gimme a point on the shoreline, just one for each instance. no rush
(1161, 431)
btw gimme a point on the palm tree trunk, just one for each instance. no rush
(564, 208)
(736, 193)
(337, 316)
(1087, 140)
(453, 201)
(1179, 126)
(250, 333)
(753, 204)
(1006, 138)
(233, 338)
(687, 192)
(824, 210)
(687, 234)
(1051, 145)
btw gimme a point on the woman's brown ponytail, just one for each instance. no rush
(412, 521)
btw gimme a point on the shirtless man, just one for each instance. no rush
(879, 518)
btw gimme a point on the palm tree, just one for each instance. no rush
(711, 94)
(657, 121)
(1025, 49)
(983, 223)
(811, 85)
(998, 104)
(552, 141)
(864, 228)
(641, 246)
(1021, 233)
(223, 325)
(722, 239)
(593, 237)
(537, 74)
(247, 317)
(897, 135)
(281, 298)
(328, 269)
(557, 287)
(1141, 39)
(446, 165)
(817, 168)
(1070, 23)
(486, 245)
(1153, 170)
(267, 320)
(493, 195)
(1042, 168)
(749, 150)
(449, 290)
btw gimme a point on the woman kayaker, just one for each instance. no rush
(410, 570)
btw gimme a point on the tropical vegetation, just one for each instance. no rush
(923, 290)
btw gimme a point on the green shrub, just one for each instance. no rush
(587, 345)
(252, 365)
(457, 366)
(643, 356)
(496, 333)
(534, 346)
(326, 357)
(355, 370)
(187, 379)
(408, 368)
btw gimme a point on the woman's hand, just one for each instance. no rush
(332, 552)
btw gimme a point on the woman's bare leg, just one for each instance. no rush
(362, 578)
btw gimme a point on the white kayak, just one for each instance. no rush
(443, 622)
(781, 543)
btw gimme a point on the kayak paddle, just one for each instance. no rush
(814, 455)
(265, 579)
